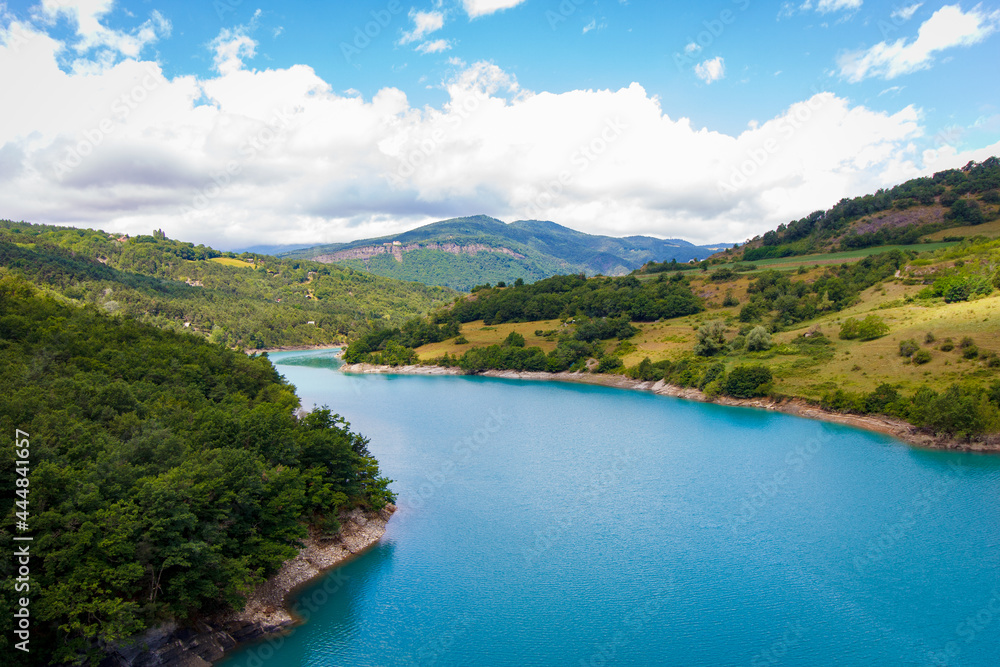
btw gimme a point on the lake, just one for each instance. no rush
(560, 524)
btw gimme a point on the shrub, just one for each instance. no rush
(970, 352)
(758, 340)
(843, 401)
(882, 399)
(908, 347)
(729, 301)
(609, 363)
(929, 338)
(711, 338)
(870, 328)
(461, 340)
(966, 342)
(748, 381)
(947, 345)
(514, 339)
(921, 357)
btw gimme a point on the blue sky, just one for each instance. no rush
(278, 122)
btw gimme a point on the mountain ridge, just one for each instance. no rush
(464, 252)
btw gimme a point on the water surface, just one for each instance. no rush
(559, 524)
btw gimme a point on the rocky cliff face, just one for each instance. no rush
(397, 250)
(265, 613)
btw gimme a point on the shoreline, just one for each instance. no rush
(799, 407)
(294, 348)
(268, 612)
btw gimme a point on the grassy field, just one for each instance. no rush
(229, 261)
(988, 229)
(841, 257)
(849, 364)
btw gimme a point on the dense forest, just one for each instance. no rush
(247, 300)
(168, 475)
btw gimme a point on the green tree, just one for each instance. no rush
(711, 338)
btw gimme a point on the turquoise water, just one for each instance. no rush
(555, 524)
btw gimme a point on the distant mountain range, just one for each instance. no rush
(464, 252)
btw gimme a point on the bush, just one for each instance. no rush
(711, 338)
(970, 352)
(966, 342)
(729, 301)
(514, 339)
(921, 357)
(947, 345)
(843, 401)
(748, 381)
(609, 363)
(870, 328)
(929, 338)
(908, 347)
(882, 400)
(461, 340)
(758, 340)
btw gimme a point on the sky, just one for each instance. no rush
(236, 123)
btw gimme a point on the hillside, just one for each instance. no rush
(163, 476)
(965, 200)
(248, 300)
(465, 252)
(899, 333)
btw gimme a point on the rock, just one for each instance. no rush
(206, 640)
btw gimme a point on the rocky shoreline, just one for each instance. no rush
(896, 428)
(293, 348)
(266, 613)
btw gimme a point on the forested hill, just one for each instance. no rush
(166, 476)
(464, 252)
(249, 300)
(956, 199)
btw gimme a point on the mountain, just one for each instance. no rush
(464, 252)
(248, 300)
(951, 203)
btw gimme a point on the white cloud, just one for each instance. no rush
(475, 8)
(711, 70)
(947, 28)
(424, 23)
(692, 48)
(109, 45)
(590, 26)
(902, 14)
(437, 46)
(827, 6)
(231, 47)
(278, 156)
